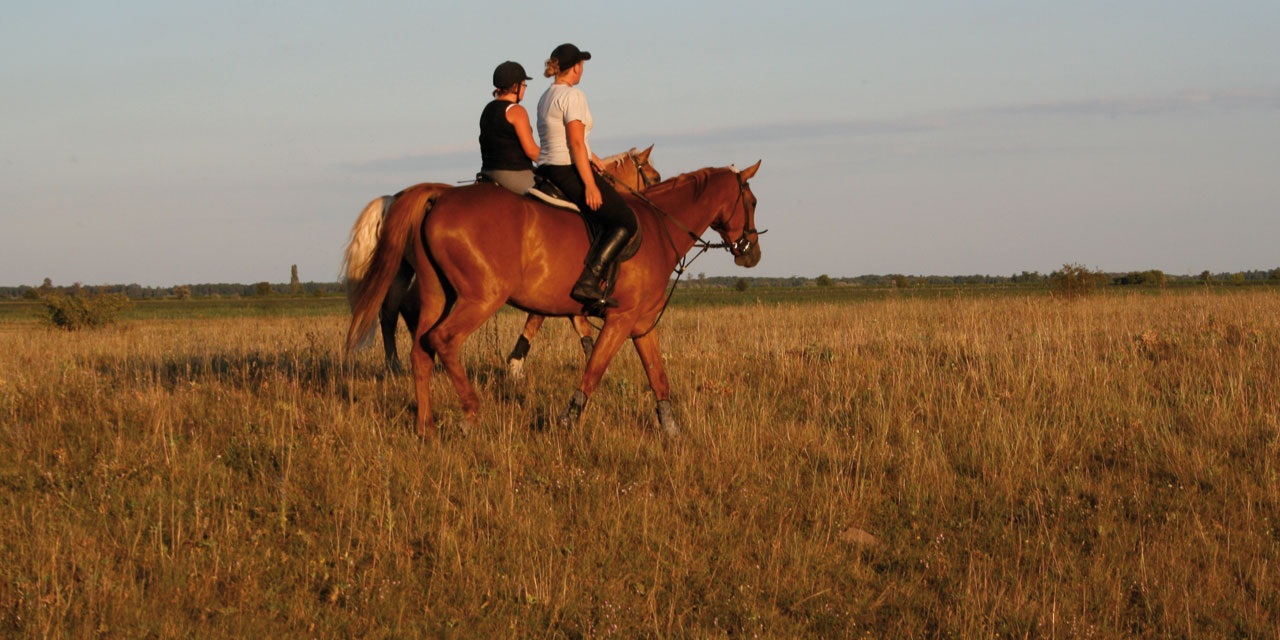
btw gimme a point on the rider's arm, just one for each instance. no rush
(519, 118)
(577, 134)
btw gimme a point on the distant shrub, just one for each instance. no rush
(262, 289)
(1153, 277)
(182, 292)
(79, 312)
(823, 280)
(1237, 278)
(741, 284)
(1074, 280)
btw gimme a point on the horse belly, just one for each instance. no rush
(552, 251)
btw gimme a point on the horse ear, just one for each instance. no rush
(644, 155)
(750, 171)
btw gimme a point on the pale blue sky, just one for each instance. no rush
(166, 143)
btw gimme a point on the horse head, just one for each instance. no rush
(737, 224)
(649, 176)
(632, 169)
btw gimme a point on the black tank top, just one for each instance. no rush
(499, 145)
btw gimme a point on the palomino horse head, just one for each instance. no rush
(632, 169)
(737, 224)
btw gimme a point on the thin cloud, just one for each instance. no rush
(1145, 105)
(437, 158)
(1134, 106)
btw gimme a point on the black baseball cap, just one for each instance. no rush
(507, 74)
(568, 55)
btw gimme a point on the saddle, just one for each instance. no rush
(547, 191)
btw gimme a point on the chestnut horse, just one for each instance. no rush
(630, 169)
(481, 247)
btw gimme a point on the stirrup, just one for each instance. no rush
(597, 308)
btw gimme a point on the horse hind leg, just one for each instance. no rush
(399, 302)
(388, 320)
(446, 339)
(432, 302)
(515, 361)
(583, 328)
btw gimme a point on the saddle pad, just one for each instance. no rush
(552, 200)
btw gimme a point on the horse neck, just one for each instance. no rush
(694, 213)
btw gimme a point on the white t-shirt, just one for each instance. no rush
(560, 105)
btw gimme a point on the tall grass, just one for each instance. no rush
(1023, 467)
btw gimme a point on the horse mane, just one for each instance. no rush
(616, 158)
(700, 178)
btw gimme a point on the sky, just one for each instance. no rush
(166, 143)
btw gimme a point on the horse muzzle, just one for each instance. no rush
(749, 257)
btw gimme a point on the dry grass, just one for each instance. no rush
(1015, 467)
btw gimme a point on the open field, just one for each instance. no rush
(996, 466)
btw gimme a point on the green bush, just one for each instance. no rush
(79, 312)
(1075, 280)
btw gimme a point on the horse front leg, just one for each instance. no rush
(515, 361)
(651, 357)
(607, 345)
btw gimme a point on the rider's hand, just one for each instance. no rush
(594, 200)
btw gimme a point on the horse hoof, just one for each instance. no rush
(667, 419)
(570, 416)
(515, 368)
(566, 420)
(427, 431)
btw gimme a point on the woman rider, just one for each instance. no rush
(507, 149)
(564, 121)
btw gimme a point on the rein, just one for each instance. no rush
(740, 245)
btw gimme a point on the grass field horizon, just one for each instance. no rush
(886, 466)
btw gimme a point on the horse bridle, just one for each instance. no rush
(645, 181)
(742, 244)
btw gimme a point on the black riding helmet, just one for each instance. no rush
(507, 74)
(568, 55)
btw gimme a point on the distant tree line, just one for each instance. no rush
(206, 290)
(1149, 278)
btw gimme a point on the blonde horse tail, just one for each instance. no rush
(404, 216)
(364, 239)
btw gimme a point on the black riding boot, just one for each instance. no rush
(602, 253)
